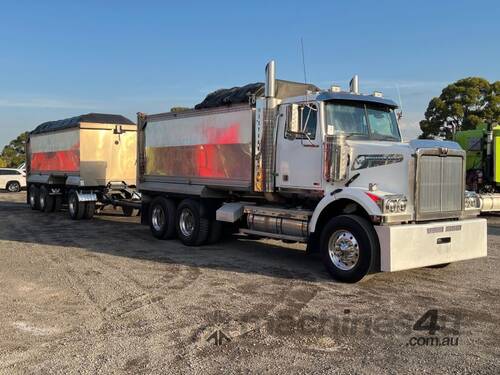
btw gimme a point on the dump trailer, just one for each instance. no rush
(328, 168)
(86, 162)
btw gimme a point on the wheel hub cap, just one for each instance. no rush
(158, 218)
(186, 222)
(344, 250)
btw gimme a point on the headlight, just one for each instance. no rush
(390, 204)
(394, 204)
(472, 201)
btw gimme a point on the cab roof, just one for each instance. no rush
(347, 96)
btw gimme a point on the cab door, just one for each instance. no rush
(298, 155)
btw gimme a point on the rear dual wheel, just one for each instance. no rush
(193, 226)
(191, 221)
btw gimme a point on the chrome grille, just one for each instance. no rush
(440, 185)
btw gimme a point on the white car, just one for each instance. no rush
(12, 180)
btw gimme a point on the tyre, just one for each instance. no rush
(349, 248)
(127, 211)
(46, 201)
(192, 224)
(33, 197)
(76, 208)
(89, 210)
(13, 187)
(162, 218)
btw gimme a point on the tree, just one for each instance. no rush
(463, 105)
(14, 153)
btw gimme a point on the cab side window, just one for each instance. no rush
(308, 120)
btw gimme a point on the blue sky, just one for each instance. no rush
(64, 58)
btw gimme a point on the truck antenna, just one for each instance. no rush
(303, 59)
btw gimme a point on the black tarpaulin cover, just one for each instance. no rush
(237, 95)
(73, 122)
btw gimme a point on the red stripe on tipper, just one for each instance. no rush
(207, 155)
(66, 160)
(222, 136)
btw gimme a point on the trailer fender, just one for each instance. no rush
(86, 196)
(355, 195)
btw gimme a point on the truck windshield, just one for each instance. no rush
(363, 120)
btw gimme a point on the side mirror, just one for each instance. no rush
(293, 119)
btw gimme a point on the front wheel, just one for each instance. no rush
(349, 248)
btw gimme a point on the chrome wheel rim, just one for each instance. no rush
(344, 250)
(158, 218)
(32, 199)
(187, 222)
(71, 206)
(13, 188)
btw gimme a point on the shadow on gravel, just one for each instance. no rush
(116, 235)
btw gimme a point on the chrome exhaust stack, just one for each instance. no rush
(270, 88)
(354, 85)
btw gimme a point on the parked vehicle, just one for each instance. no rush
(289, 161)
(12, 179)
(22, 167)
(482, 147)
(86, 162)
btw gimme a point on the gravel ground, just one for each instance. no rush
(103, 296)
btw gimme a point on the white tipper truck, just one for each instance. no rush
(324, 167)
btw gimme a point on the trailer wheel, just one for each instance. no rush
(192, 226)
(127, 211)
(89, 210)
(76, 208)
(349, 248)
(162, 218)
(33, 197)
(45, 200)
